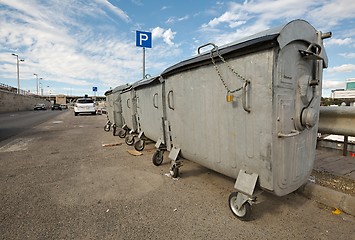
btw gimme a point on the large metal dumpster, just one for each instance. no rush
(118, 120)
(109, 109)
(150, 113)
(250, 110)
(129, 110)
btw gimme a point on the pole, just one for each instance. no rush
(143, 62)
(36, 81)
(18, 76)
(18, 71)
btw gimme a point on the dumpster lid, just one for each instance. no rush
(281, 35)
(144, 82)
(108, 92)
(121, 88)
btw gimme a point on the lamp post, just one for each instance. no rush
(36, 81)
(18, 71)
(40, 87)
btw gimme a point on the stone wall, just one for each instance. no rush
(12, 102)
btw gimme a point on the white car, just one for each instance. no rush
(84, 105)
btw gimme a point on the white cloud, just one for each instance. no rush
(348, 55)
(117, 10)
(332, 84)
(241, 19)
(166, 34)
(342, 68)
(337, 41)
(172, 20)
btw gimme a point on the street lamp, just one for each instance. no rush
(36, 81)
(18, 71)
(40, 86)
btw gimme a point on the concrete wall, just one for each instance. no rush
(12, 102)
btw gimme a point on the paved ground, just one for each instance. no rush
(58, 182)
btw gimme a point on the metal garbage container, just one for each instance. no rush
(129, 110)
(249, 110)
(150, 114)
(118, 120)
(109, 110)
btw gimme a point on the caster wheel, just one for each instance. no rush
(174, 171)
(122, 133)
(244, 212)
(114, 130)
(129, 140)
(158, 158)
(139, 145)
(107, 128)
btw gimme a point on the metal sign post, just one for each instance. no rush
(94, 89)
(143, 39)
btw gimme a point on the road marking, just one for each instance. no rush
(20, 144)
(56, 122)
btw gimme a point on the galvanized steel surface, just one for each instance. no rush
(269, 131)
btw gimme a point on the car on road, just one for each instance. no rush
(40, 106)
(84, 105)
(63, 106)
(56, 107)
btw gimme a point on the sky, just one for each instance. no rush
(75, 45)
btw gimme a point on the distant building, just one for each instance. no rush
(347, 94)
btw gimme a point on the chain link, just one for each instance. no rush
(230, 68)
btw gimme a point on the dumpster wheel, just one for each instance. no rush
(114, 128)
(139, 145)
(158, 157)
(174, 171)
(244, 212)
(107, 127)
(129, 140)
(122, 133)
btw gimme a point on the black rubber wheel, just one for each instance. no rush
(139, 145)
(244, 213)
(107, 128)
(158, 157)
(122, 133)
(174, 171)
(129, 140)
(75, 113)
(114, 130)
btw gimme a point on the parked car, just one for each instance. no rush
(56, 107)
(63, 106)
(40, 106)
(84, 105)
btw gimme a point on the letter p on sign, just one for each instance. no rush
(144, 39)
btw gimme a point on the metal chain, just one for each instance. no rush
(220, 75)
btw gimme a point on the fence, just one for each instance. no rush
(338, 120)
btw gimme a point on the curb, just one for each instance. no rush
(330, 197)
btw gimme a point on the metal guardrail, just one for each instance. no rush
(337, 120)
(11, 89)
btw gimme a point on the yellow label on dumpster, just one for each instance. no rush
(229, 97)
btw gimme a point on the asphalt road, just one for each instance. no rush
(14, 123)
(57, 181)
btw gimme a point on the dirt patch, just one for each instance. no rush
(338, 183)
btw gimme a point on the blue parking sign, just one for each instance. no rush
(144, 39)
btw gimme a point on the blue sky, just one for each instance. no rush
(75, 45)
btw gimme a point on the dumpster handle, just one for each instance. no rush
(155, 98)
(169, 103)
(205, 45)
(128, 103)
(244, 97)
(292, 134)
